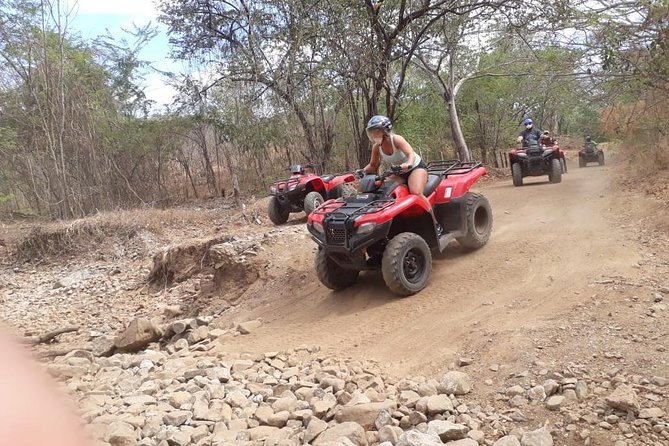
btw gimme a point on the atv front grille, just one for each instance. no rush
(336, 236)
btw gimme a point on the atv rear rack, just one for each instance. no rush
(452, 167)
(283, 186)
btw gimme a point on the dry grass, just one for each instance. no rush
(39, 240)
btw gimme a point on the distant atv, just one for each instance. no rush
(590, 154)
(535, 161)
(305, 191)
(385, 227)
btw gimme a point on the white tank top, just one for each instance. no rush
(397, 157)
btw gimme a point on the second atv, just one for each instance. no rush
(305, 191)
(385, 227)
(537, 160)
(590, 154)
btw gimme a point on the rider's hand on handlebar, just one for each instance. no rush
(360, 173)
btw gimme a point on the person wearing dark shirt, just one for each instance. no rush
(530, 136)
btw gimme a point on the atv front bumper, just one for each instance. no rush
(342, 240)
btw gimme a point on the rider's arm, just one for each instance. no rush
(403, 146)
(374, 162)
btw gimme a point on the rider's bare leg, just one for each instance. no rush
(417, 183)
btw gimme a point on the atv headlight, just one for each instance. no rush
(292, 188)
(522, 155)
(318, 227)
(548, 152)
(366, 228)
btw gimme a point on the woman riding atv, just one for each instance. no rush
(396, 151)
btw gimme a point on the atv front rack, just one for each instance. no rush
(354, 209)
(452, 167)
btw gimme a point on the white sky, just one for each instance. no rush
(95, 17)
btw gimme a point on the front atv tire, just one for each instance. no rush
(517, 174)
(276, 212)
(479, 222)
(600, 159)
(556, 171)
(331, 274)
(406, 264)
(563, 162)
(312, 201)
(581, 162)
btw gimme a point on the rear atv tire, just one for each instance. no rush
(517, 174)
(331, 274)
(406, 264)
(479, 222)
(276, 212)
(581, 162)
(600, 159)
(556, 171)
(312, 201)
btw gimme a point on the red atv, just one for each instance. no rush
(590, 154)
(305, 191)
(385, 227)
(537, 160)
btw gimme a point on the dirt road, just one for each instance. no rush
(550, 244)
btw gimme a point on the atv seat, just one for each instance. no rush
(432, 183)
(327, 178)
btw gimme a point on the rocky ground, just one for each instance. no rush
(190, 330)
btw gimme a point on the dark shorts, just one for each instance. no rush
(406, 174)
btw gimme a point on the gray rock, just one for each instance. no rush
(416, 418)
(416, 438)
(248, 327)
(456, 383)
(446, 430)
(140, 333)
(463, 442)
(314, 429)
(178, 399)
(624, 398)
(390, 434)
(539, 437)
(477, 435)
(438, 404)
(537, 393)
(178, 438)
(654, 412)
(515, 391)
(659, 381)
(198, 334)
(176, 417)
(509, 440)
(364, 414)
(551, 387)
(581, 390)
(349, 430)
(121, 434)
(103, 346)
(555, 402)
(409, 398)
(384, 419)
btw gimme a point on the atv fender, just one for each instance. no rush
(315, 184)
(336, 181)
(455, 186)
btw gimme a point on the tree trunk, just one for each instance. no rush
(456, 130)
